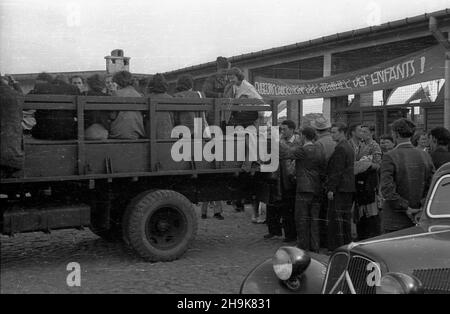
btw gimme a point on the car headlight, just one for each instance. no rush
(399, 283)
(290, 262)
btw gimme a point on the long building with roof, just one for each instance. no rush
(343, 53)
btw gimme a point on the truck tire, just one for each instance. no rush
(160, 225)
(126, 215)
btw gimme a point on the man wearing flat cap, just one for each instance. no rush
(324, 139)
(322, 127)
(405, 178)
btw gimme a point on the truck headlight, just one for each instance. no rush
(289, 262)
(399, 283)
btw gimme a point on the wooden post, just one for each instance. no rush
(150, 118)
(274, 112)
(81, 151)
(153, 159)
(289, 113)
(217, 115)
(217, 121)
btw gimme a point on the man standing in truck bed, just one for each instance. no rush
(214, 85)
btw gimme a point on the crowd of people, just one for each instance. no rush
(227, 82)
(334, 184)
(337, 184)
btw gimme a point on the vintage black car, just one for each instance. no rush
(414, 260)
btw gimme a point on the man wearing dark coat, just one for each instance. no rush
(406, 174)
(54, 124)
(440, 146)
(340, 187)
(280, 210)
(310, 164)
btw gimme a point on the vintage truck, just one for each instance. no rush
(129, 190)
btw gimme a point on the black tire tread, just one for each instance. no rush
(136, 212)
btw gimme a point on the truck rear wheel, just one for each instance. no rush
(160, 225)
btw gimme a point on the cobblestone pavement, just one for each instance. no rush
(219, 259)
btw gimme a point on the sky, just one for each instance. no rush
(159, 36)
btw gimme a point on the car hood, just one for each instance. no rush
(425, 246)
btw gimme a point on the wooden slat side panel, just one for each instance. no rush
(125, 158)
(50, 160)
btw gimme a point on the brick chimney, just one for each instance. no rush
(117, 62)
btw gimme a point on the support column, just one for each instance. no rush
(293, 111)
(326, 109)
(447, 91)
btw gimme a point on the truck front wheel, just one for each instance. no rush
(160, 225)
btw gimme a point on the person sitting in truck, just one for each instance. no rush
(214, 86)
(240, 88)
(28, 121)
(96, 121)
(54, 124)
(157, 88)
(185, 89)
(126, 124)
(11, 153)
(110, 87)
(78, 82)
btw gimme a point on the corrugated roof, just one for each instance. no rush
(323, 40)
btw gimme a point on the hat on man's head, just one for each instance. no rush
(320, 123)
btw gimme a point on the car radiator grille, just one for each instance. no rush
(434, 281)
(350, 275)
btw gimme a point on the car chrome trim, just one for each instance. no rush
(370, 261)
(329, 267)
(431, 198)
(346, 275)
(350, 283)
(402, 237)
(439, 227)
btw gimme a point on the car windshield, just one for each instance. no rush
(440, 198)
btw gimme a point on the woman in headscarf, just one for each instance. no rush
(96, 121)
(127, 124)
(185, 89)
(157, 88)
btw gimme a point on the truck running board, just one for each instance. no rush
(30, 219)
